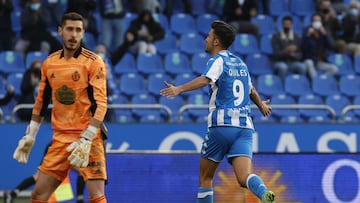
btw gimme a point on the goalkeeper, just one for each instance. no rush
(74, 79)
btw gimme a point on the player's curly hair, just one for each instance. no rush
(225, 32)
(71, 16)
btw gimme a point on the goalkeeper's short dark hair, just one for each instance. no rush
(225, 32)
(72, 16)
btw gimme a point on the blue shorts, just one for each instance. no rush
(227, 141)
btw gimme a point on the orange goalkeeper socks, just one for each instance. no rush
(38, 201)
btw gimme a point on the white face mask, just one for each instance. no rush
(317, 25)
(354, 11)
(102, 55)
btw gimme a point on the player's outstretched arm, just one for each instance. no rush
(172, 91)
(263, 106)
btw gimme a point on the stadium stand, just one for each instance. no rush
(149, 63)
(11, 62)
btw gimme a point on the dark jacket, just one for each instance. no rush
(154, 28)
(316, 48)
(279, 44)
(5, 17)
(230, 7)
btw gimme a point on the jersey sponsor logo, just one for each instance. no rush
(75, 76)
(100, 74)
(65, 95)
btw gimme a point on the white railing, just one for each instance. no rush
(274, 106)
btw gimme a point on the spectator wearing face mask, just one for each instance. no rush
(351, 26)
(35, 36)
(286, 50)
(316, 45)
(332, 25)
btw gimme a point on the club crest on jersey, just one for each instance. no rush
(75, 76)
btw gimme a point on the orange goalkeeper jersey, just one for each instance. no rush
(77, 89)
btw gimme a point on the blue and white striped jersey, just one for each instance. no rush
(230, 91)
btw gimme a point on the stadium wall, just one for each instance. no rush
(302, 163)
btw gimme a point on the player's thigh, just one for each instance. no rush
(242, 143)
(45, 186)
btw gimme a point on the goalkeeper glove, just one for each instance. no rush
(79, 156)
(25, 144)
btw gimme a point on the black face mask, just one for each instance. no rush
(286, 29)
(326, 10)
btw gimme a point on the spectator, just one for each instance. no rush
(140, 36)
(6, 32)
(29, 86)
(56, 11)
(332, 25)
(8, 96)
(351, 26)
(316, 45)
(239, 13)
(113, 22)
(286, 50)
(35, 21)
(86, 9)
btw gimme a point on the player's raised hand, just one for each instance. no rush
(22, 151)
(79, 156)
(170, 90)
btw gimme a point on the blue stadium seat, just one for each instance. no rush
(349, 85)
(89, 41)
(308, 99)
(265, 23)
(343, 62)
(265, 44)
(132, 84)
(174, 104)
(121, 115)
(324, 85)
(149, 63)
(245, 44)
(338, 103)
(297, 85)
(11, 62)
(198, 99)
(182, 23)
(177, 63)
(319, 119)
(357, 64)
(292, 119)
(356, 101)
(144, 99)
(153, 117)
(203, 23)
(155, 82)
(184, 78)
(259, 118)
(258, 64)
(15, 80)
(162, 20)
(192, 43)
(269, 85)
(167, 44)
(34, 55)
(127, 64)
(198, 62)
(199, 7)
(283, 99)
(278, 7)
(302, 7)
(297, 24)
